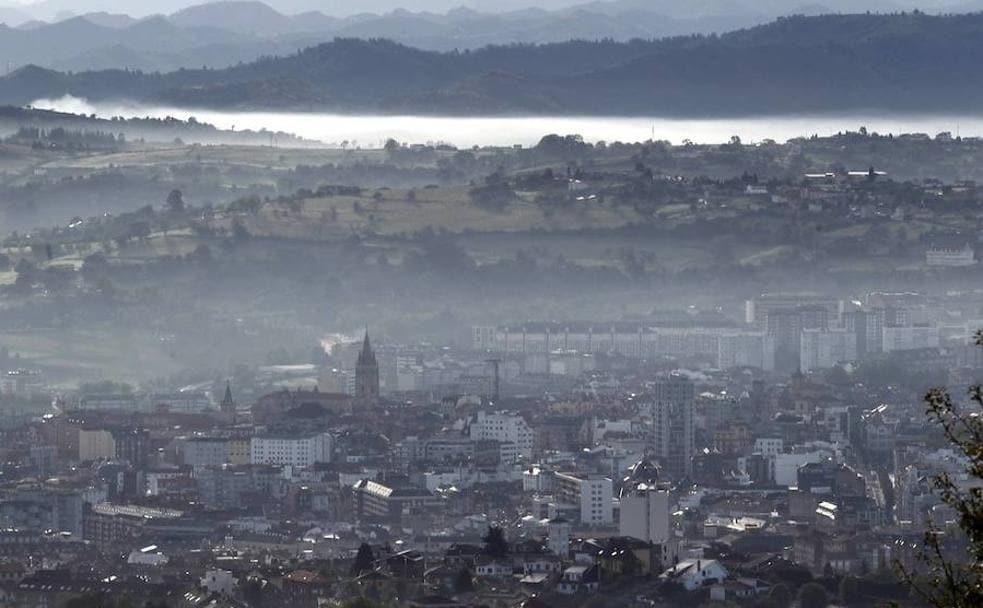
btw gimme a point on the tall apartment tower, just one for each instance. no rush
(673, 428)
(367, 373)
(644, 505)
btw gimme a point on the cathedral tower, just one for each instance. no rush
(367, 373)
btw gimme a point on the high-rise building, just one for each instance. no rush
(673, 428)
(132, 444)
(820, 349)
(757, 311)
(644, 505)
(367, 373)
(592, 494)
(868, 326)
(785, 325)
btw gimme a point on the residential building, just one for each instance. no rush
(504, 427)
(198, 452)
(672, 424)
(96, 444)
(695, 574)
(644, 513)
(823, 349)
(950, 256)
(592, 494)
(910, 338)
(381, 501)
(291, 450)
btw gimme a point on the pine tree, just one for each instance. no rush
(364, 560)
(495, 544)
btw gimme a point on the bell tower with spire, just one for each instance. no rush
(228, 405)
(367, 373)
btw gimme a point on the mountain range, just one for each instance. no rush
(229, 32)
(897, 62)
(49, 10)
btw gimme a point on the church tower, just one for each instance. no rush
(367, 373)
(228, 406)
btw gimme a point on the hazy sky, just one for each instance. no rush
(338, 7)
(48, 9)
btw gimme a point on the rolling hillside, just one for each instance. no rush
(891, 62)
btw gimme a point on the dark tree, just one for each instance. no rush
(463, 583)
(941, 580)
(495, 544)
(850, 590)
(239, 232)
(175, 201)
(780, 596)
(364, 560)
(813, 595)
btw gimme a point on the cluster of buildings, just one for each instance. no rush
(636, 477)
(779, 333)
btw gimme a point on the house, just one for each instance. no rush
(950, 256)
(406, 564)
(696, 573)
(579, 580)
(493, 568)
(547, 563)
(743, 588)
(462, 554)
(624, 556)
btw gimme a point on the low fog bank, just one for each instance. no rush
(372, 131)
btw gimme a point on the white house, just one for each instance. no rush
(218, 581)
(148, 556)
(696, 573)
(578, 579)
(493, 569)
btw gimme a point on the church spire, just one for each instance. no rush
(367, 372)
(228, 404)
(366, 356)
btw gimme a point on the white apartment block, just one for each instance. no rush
(740, 348)
(645, 514)
(296, 451)
(910, 338)
(96, 445)
(592, 493)
(822, 349)
(503, 427)
(941, 256)
(769, 446)
(198, 452)
(748, 349)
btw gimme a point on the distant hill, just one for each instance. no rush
(148, 129)
(13, 15)
(893, 62)
(227, 32)
(250, 17)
